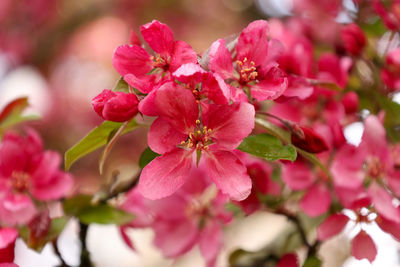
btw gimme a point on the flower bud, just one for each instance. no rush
(350, 102)
(353, 39)
(308, 140)
(115, 106)
(288, 260)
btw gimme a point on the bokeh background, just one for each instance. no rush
(58, 52)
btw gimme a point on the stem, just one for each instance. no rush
(286, 123)
(58, 253)
(85, 255)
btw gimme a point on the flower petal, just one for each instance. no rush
(316, 201)
(182, 53)
(297, 175)
(159, 36)
(229, 124)
(162, 137)
(16, 209)
(221, 59)
(272, 86)
(210, 242)
(165, 174)
(56, 187)
(228, 173)
(363, 247)
(131, 59)
(253, 42)
(383, 203)
(332, 226)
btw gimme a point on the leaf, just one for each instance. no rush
(12, 114)
(81, 207)
(95, 139)
(121, 86)
(147, 156)
(268, 147)
(392, 117)
(312, 262)
(274, 130)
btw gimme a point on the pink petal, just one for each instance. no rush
(162, 137)
(182, 53)
(165, 174)
(178, 106)
(230, 124)
(128, 241)
(144, 84)
(389, 227)
(316, 201)
(220, 59)
(45, 169)
(147, 106)
(297, 175)
(131, 59)
(228, 173)
(272, 86)
(175, 238)
(7, 237)
(363, 247)
(332, 226)
(393, 179)
(374, 138)
(253, 42)
(298, 87)
(348, 173)
(159, 36)
(12, 155)
(383, 203)
(16, 209)
(120, 108)
(210, 242)
(58, 186)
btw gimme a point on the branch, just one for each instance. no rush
(85, 255)
(58, 253)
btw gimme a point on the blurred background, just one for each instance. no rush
(58, 52)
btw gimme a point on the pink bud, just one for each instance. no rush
(309, 140)
(350, 102)
(353, 39)
(115, 106)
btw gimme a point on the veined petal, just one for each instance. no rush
(253, 42)
(297, 175)
(229, 124)
(182, 53)
(228, 173)
(16, 209)
(332, 226)
(162, 137)
(56, 187)
(131, 59)
(210, 242)
(220, 59)
(165, 174)
(382, 201)
(363, 247)
(272, 86)
(316, 201)
(159, 36)
(178, 106)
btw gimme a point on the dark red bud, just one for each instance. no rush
(308, 139)
(353, 39)
(39, 227)
(288, 260)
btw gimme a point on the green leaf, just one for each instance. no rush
(147, 156)
(12, 114)
(81, 207)
(392, 117)
(121, 86)
(268, 147)
(274, 130)
(312, 262)
(95, 139)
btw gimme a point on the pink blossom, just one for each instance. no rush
(253, 71)
(353, 39)
(115, 106)
(193, 215)
(213, 134)
(391, 16)
(144, 71)
(26, 170)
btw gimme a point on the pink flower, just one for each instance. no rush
(27, 171)
(213, 134)
(7, 244)
(195, 214)
(391, 16)
(115, 106)
(391, 73)
(253, 71)
(317, 199)
(353, 38)
(144, 71)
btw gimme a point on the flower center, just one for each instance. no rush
(375, 167)
(20, 181)
(199, 138)
(247, 70)
(159, 62)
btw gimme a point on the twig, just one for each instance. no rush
(58, 253)
(85, 255)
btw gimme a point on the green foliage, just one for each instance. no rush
(312, 262)
(147, 156)
(81, 206)
(268, 147)
(95, 139)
